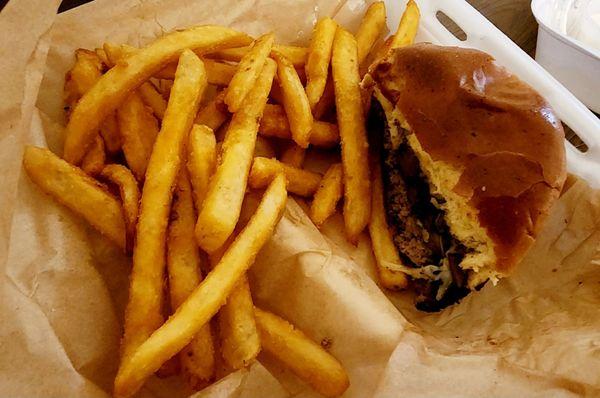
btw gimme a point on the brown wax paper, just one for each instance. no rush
(64, 286)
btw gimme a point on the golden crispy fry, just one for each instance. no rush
(384, 249)
(319, 55)
(152, 98)
(102, 55)
(263, 148)
(217, 73)
(207, 298)
(138, 130)
(296, 55)
(222, 203)
(301, 182)
(327, 100)
(82, 76)
(117, 52)
(247, 71)
(276, 94)
(305, 358)
(109, 130)
(122, 177)
(407, 29)
(240, 343)
(370, 29)
(351, 121)
(164, 88)
(295, 101)
(274, 123)
(79, 192)
(328, 195)
(293, 155)
(95, 158)
(184, 264)
(114, 86)
(144, 308)
(214, 113)
(202, 160)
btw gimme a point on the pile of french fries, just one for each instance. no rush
(162, 145)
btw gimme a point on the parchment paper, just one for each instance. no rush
(63, 287)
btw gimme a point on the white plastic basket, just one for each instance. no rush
(483, 35)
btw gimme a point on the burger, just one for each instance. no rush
(472, 160)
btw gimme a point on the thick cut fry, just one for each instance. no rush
(138, 129)
(351, 121)
(301, 182)
(114, 86)
(328, 195)
(295, 101)
(95, 158)
(122, 177)
(263, 148)
(370, 29)
(222, 203)
(240, 343)
(217, 73)
(153, 99)
(207, 298)
(327, 101)
(319, 55)
(293, 155)
(144, 308)
(384, 249)
(296, 55)
(202, 159)
(407, 28)
(79, 192)
(305, 358)
(82, 76)
(274, 123)
(214, 114)
(197, 359)
(109, 130)
(247, 71)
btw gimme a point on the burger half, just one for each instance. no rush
(472, 160)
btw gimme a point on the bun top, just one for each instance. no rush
(476, 117)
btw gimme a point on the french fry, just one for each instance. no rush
(197, 359)
(222, 203)
(217, 73)
(109, 130)
(351, 122)
(151, 97)
(276, 94)
(102, 55)
(305, 358)
(370, 29)
(122, 177)
(164, 88)
(327, 100)
(263, 148)
(384, 249)
(138, 129)
(82, 76)
(247, 71)
(240, 343)
(202, 160)
(293, 155)
(407, 28)
(114, 86)
(296, 55)
(144, 308)
(214, 114)
(328, 195)
(301, 182)
(207, 298)
(274, 123)
(79, 192)
(95, 158)
(319, 55)
(295, 101)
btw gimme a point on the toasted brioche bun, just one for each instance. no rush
(487, 142)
